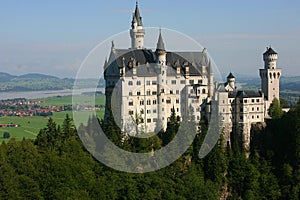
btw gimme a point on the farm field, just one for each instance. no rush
(30, 126)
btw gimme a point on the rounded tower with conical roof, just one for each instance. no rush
(270, 76)
(231, 80)
(160, 50)
(137, 32)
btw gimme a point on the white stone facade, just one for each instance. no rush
(143, 86)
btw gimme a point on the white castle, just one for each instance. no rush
(144, 86)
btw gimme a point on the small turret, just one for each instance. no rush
(231, 80)
(270, 58)
(160, 50)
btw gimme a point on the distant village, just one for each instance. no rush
(23, 107)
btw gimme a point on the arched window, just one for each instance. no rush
(168, 101)
(130, 103)
(148, 102)
(142, 102)
(203, 91)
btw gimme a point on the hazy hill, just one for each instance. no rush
(35, 81)
(5, 77)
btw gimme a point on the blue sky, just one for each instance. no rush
(53, 37)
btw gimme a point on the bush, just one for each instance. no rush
(6, 135)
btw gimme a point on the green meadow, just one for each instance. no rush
(29, 127)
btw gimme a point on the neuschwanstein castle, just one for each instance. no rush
(144, 86)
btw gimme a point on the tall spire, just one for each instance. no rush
(136, 16)
(160, 44)
(137, 32)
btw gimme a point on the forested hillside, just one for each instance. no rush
(57, 166)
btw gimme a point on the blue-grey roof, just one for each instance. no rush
(137, 16)
(120, 58)
(230, 75)
(160, 44)
(269, 51)
(245, 94)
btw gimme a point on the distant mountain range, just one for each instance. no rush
(5, 77)
(35, 81)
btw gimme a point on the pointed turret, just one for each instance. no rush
(231, 81)
(160, 50)
(137, 15)
(160, 43)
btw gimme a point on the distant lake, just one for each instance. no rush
(45, 93)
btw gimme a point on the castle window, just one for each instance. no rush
(142, 102)
(148, 82)
(252, 117)
(168, 101)
(257, 116)
(154, 110)
(154, 83)
(130, 112)
(130, 83)
(177, 100)
(200, 81)
(252, 108)
(173, 82)
(142, 120)
(138, 93)
(177, 91)
(138, 83)
(192, 91)
(148, 92)
(171, 91)
(162, 100)
(130, 103)
(130, 93)
(203, 91)
(191, 82)
(245, 101)
(148, 102)
(153, 92)
(154, 101)
(154, 119)
(257, 100)
(257, 108)
(142, 111)
(252, 100)
(148, 111)
(182, 81)
(177, 109)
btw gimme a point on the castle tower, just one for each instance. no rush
(160, 50)
(161, 78)
(270, 76)
(231, 81)
(137, 32)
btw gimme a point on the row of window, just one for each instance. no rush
(173, 82)
(154, 111)
(244, 101)
(241, 117)
(154, 102)
(241, 109)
